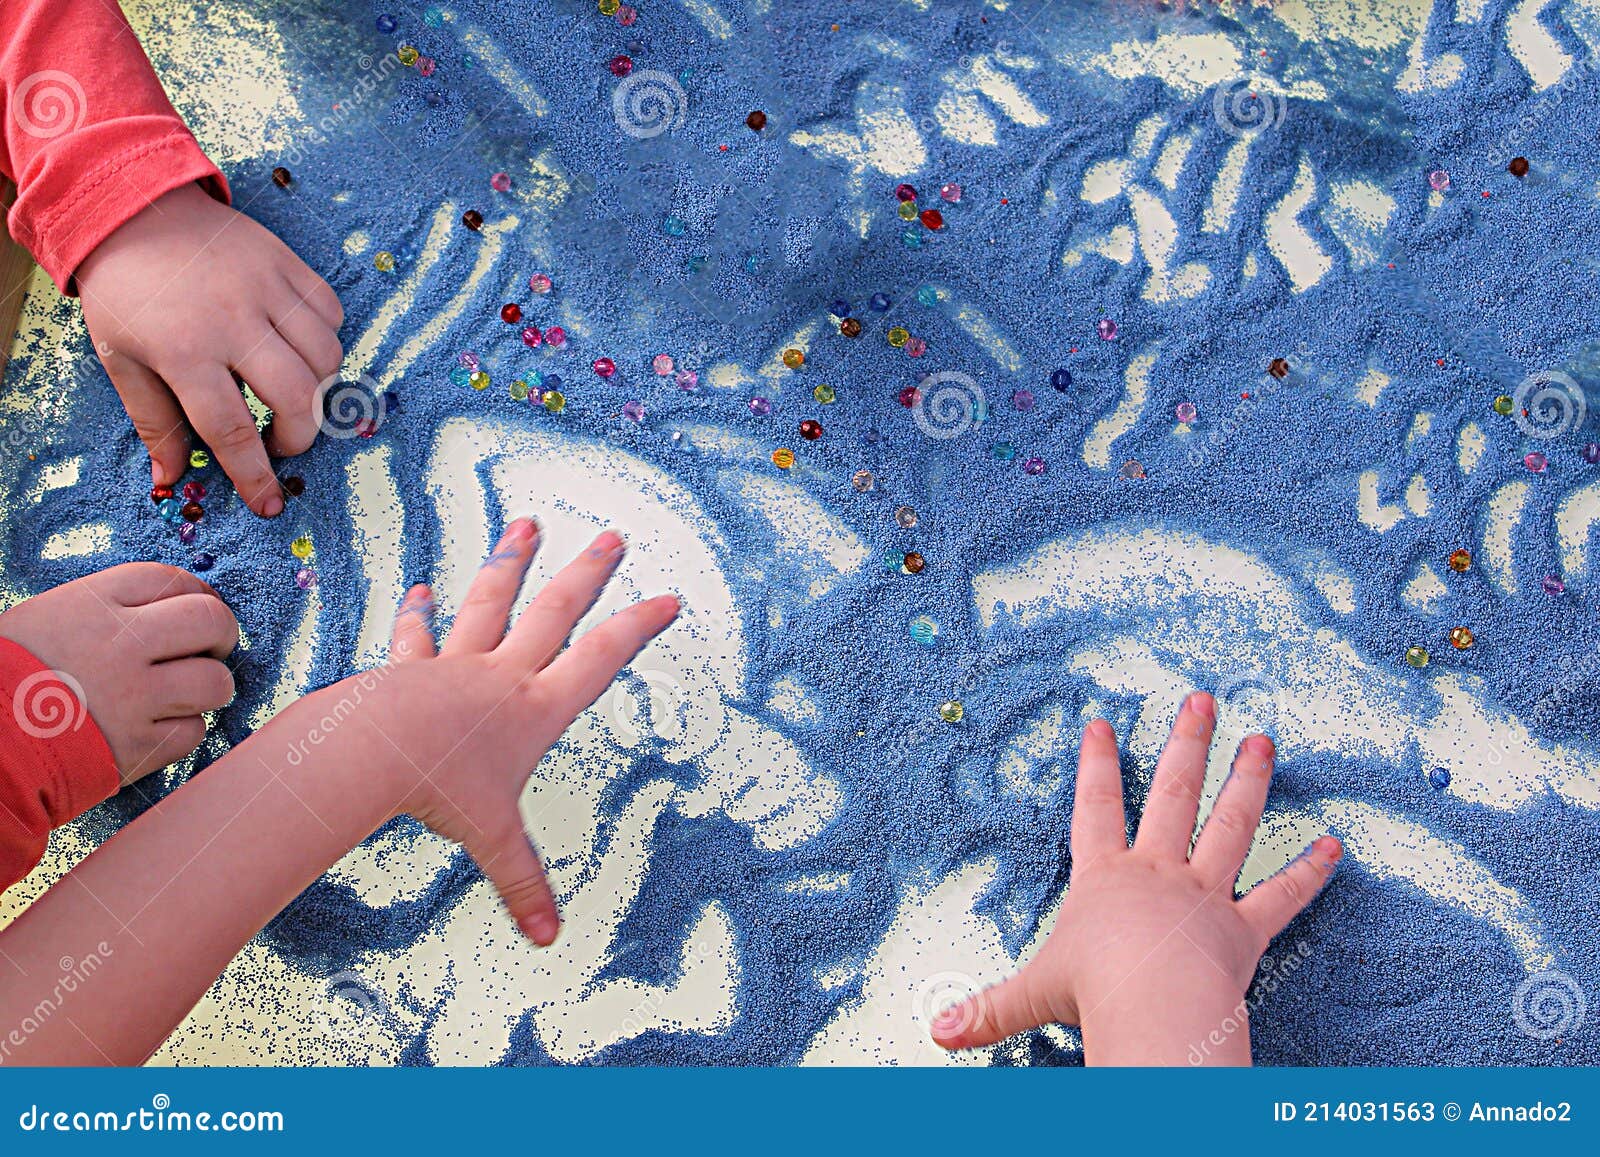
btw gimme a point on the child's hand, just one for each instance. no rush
(145, 643)
(190, 293)
(453, 736)
(1152, 953)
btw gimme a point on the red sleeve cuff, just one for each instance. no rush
(54, 763)
(84, 186)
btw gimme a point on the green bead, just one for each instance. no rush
(1418, 657)
(907, 210)
(1503, 404)
(519, 391)
(824, 394)
(951, 711)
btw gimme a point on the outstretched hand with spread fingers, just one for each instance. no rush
(1152, 952)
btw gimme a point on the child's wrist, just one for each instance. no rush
(1176, 1026)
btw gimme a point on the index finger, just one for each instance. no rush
(219, 414)
(1099, 825)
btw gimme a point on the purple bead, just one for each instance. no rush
(204, 562)
(688, 381)
(1591, 453)
(1438, 180)
(1553, 585)
(305, 578)
(760, 407)
(1033, 466)
(1022, 400)
(1185, 412)
(1107, 329)
(187, 533)
(1535, 461)
(633, 411)
(468, 359)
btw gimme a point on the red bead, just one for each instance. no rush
(511, 313)
(905, 192)
(294, 485)
(531, 337)
(193, 491)
(756, 121)
(192, 512)
(811, 429)
(605, 367)
(621, 65)
(932, 218)
(366, 427)
(160, 493)
(472, 219)
(910, 396)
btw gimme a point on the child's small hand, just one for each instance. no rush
(145, 643)
(190, 293)
(454, 735)
(1152, 953)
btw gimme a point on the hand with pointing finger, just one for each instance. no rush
(1152, 952)
(184, 298)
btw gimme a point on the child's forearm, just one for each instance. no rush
(165, 904)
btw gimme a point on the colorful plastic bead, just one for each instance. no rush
(879, 302)
(194, 491)
(910, 396)
(811, 429)
(1107, 329)
(518, 390)
(1535, 461)
(1591, 453)
(911, 239)
(1418, 657)
(1034, 466)
(840, 308)
(1185, 412)
(760, 407)
(620, 65)
(1133, 469)
(687, 380)
(824, 394)
(187, 533)
(511, 313)
(531, 337)
(905, 517)
(281, 177)
(479, 380)
(898, 336)
(305, 578)
(1553, 585)
(539, 283)
(1438, 180)
(862, 480)
(1518, 167)
(928, 295)
(609, 7)
(199, 459)
(383, 261)
(914, 562)
(1461, 638)
(460, 376)
(605, 367)
(756, 121)
(170, 509)
(301, 547)
(554, 401)
(850, 327)
(1460, 561)
(387, 24)
(931, 219)
(951, 711)
(916, 347)
(407, 55)
(626, 15)
(662, 364)
(468, 359)
(500, 182)
(950, 192)
(674, 226)
(1503, 405)
(783, 458)
(633, 411)
(204, 562)
(1022, 400)
(159, 494)
(1002, 451)
(426, 66)
(924, 631)
(1278, 368)
(472, 219)
(905, 193)
(1061, 379)
(793, 358)
(555, 337)
(907, 210)
(1439, 777)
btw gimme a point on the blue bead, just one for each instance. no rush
(912, 238)
(924, 631)
(840, 308)
(432, 17)
(1003, 451)
(674, 226)
(696, 263)
(553, 382)
(461, 376)
(391, 401)
(880, 302)
(1439, 777)
(387, 24)
(1061, 379)
(171, 509)
(204, 562)
(928, 295)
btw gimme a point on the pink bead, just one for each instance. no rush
(621, 65)
(950, 192)
(1186, 412)
(916, 347)
(426, 65)
(605, 367)
(555, 336)
(626, 16)
(688, 381)
(633, 411)
(1535, 461)
(1438, 180)
(1107, 329)
(531, 337)
(539, 283)
(662, 364)
(500, 182)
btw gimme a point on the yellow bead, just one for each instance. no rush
(1418, 657)
(823, 394)
(408, 55)
(951, 711)
(479, 380)
(609, 7)
(898, 336)
(793, 358)
(555, 401)
(783, 458)
(1503, 404)
(907, 210)
(519, 391)
(383, 261)
(301, 547)
(199, 459)
(1461, 638)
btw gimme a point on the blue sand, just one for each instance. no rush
(1498, 287)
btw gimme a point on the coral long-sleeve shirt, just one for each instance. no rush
(89, 135)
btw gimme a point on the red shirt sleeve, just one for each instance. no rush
(54, 763)
(88, 135)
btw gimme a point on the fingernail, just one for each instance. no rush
(1203, 705)
(608, 545)
(273, 506)
(543, 927)
(522, 530)
(947, 1018)
(1259, 746)
(1326, 852)
(1099, 728)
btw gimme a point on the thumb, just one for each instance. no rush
(515, 870)
(1010, 1007)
